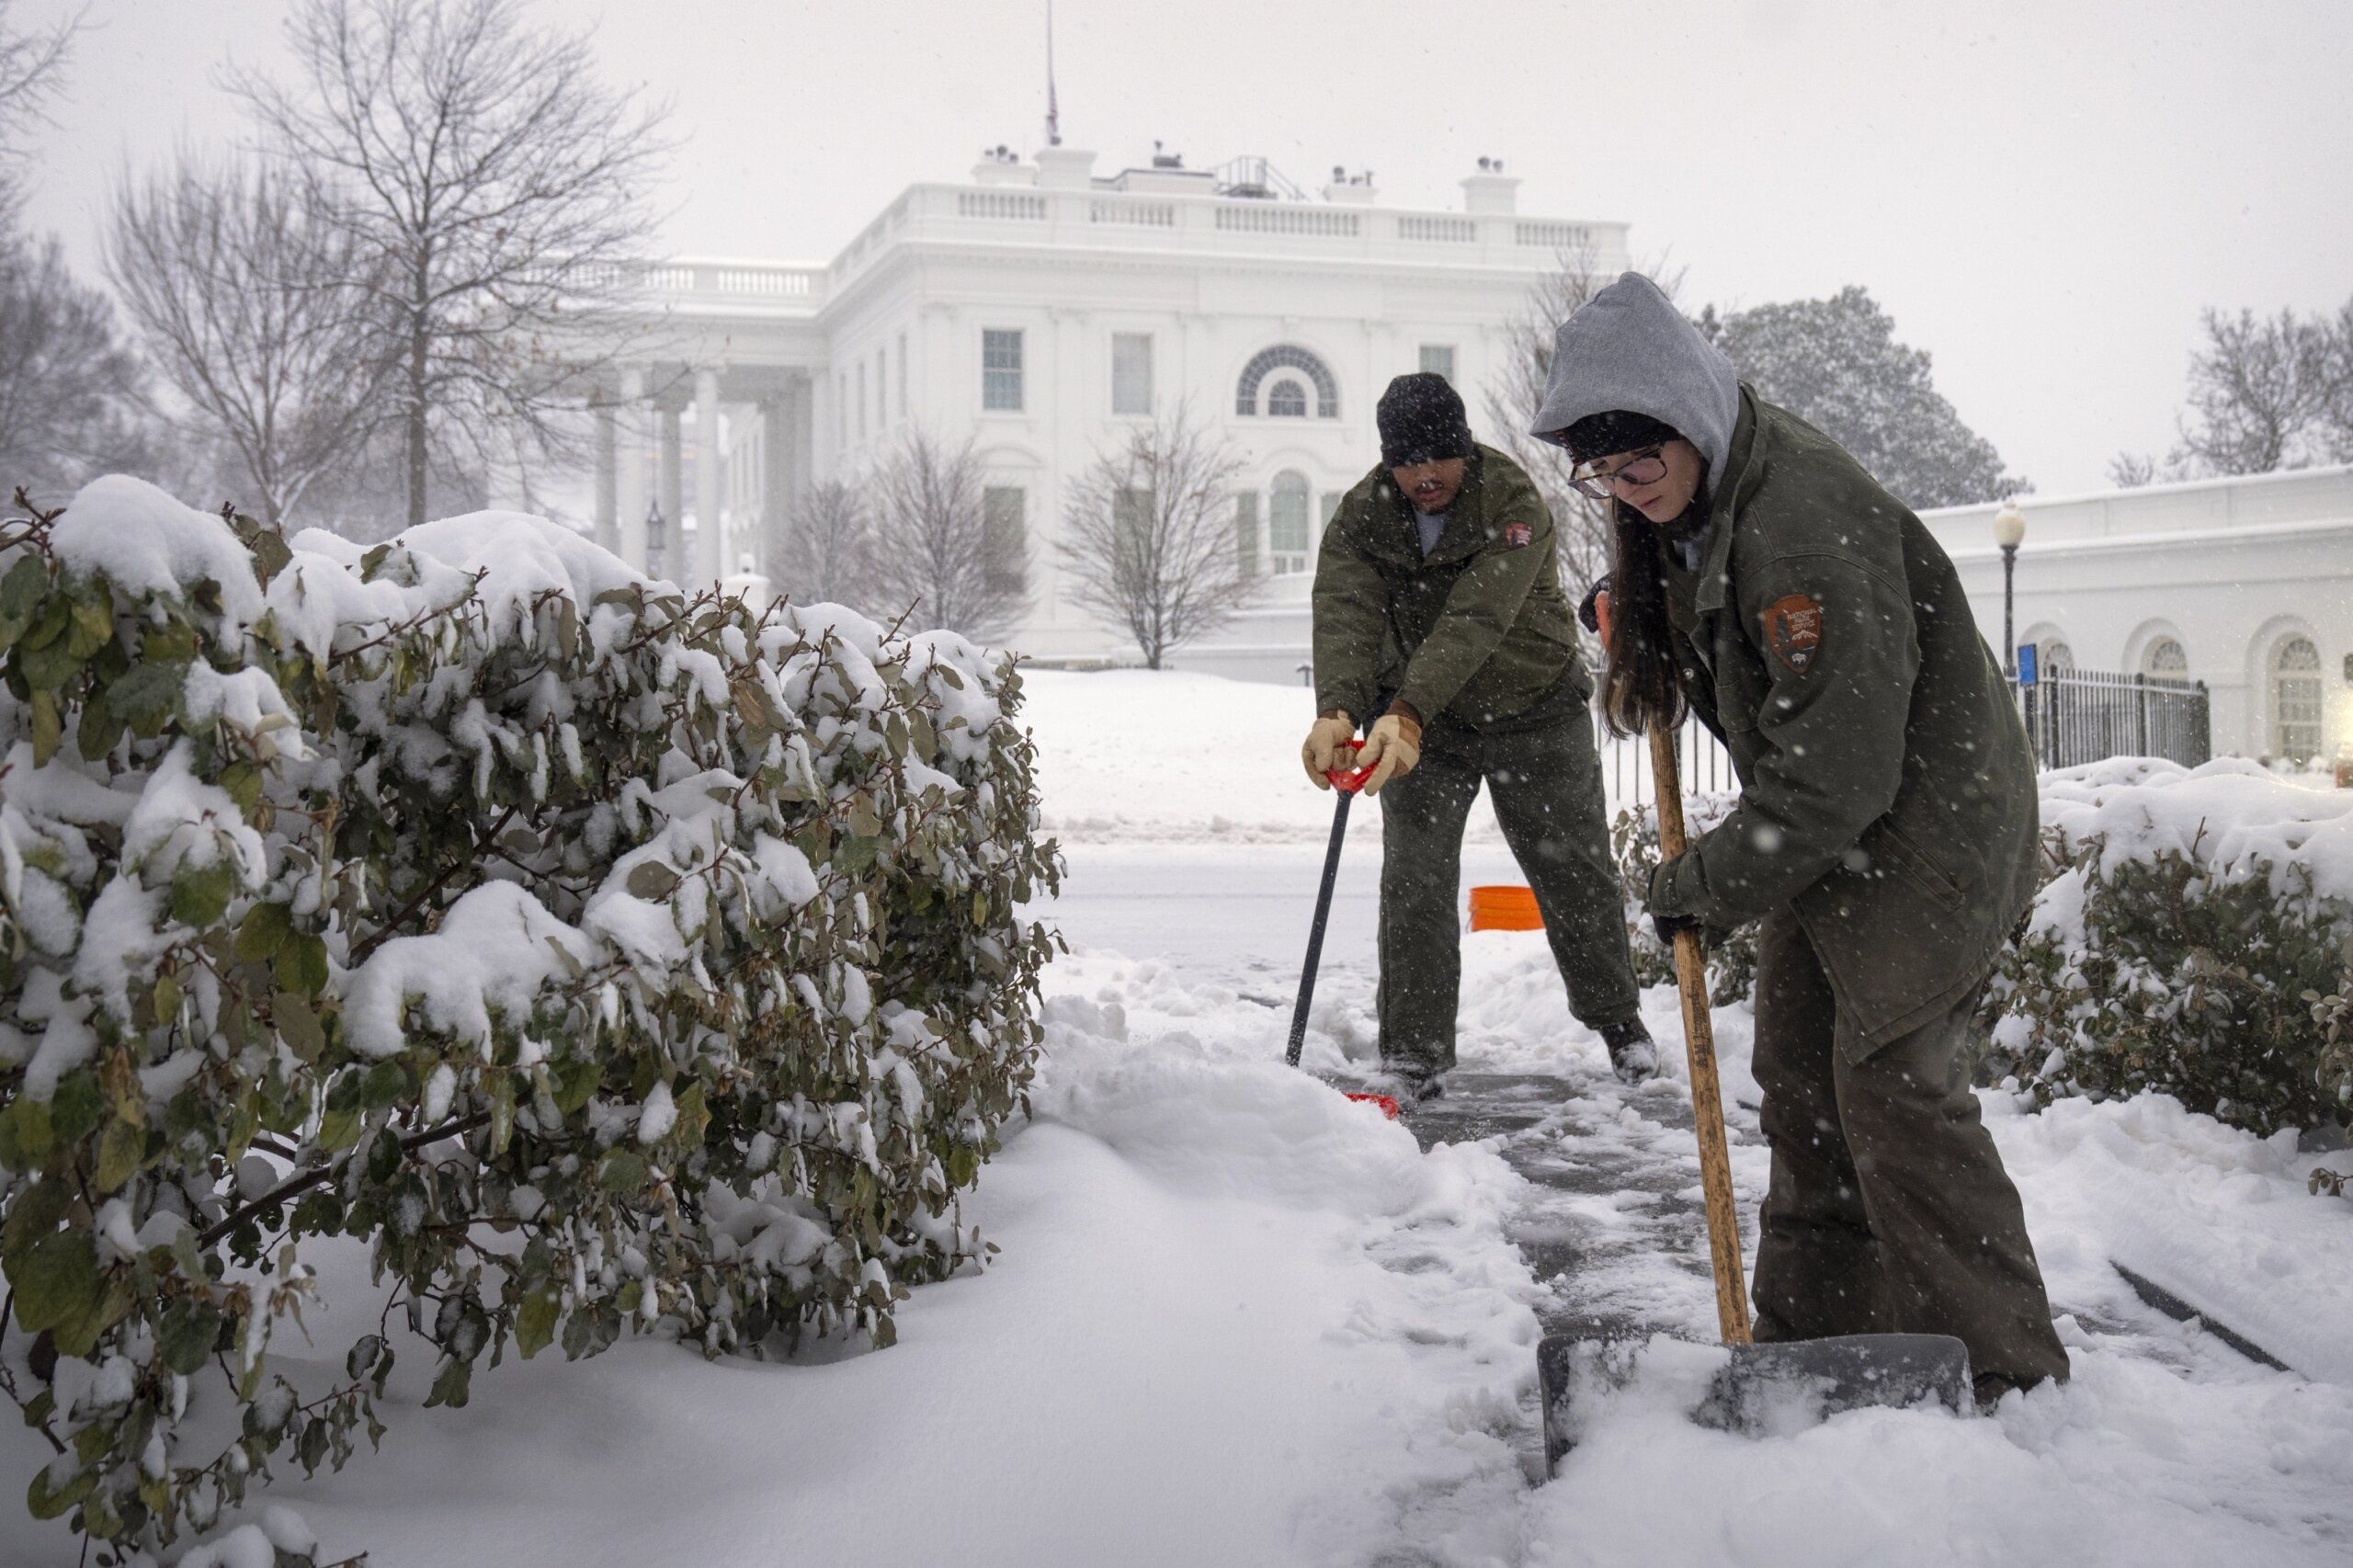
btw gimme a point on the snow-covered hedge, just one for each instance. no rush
(1732, 955)
(603, 959)
(2195, 937)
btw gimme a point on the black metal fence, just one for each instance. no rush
(2078, 716)
(1704, 763)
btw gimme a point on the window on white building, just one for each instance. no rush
(1245, 531)
(2295, 699)
(1287, 399)
(1286, 522)
(861, 400)
(903, 375)
(1286, 356)
(2165, 659)
(1438, 359)
(1005, 545)
(1131, 372)
(1001, 371)
(2055, 656)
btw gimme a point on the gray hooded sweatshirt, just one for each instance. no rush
(1630, 348)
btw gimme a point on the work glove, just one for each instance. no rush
(1391, 750)
(1322, 752)
(1593, 606)
(1667, 926)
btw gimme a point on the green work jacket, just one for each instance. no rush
(1887, 788)
(1477, 629)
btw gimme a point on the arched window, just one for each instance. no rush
(1287, 398)
(1287, 356)
(2295, 699)
(1287, 523)
(2056, 655)
(2167, 660)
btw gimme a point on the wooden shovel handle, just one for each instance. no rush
(1700, 1048)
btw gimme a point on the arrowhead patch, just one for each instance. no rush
(1516, 535)
(1793, 629)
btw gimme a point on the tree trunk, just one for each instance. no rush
(419, 347)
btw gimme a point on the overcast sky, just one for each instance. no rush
(2043, 195)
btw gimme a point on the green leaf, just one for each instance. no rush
(34, 1213)
(301, 964)
(75, 1109)
(502, 1112)
(263, 932)
(44, 1504)
(575, 1083)
(187, 1336)
(56, 1280)
(863, 822)
(651, 880)
(95, 735)
(620, 1171)
(20, 595)
(373, 563)
(270, 554)
(120, 1153)
(150, 690)
(535, 1320)
(963, 1166)
(453, 1385)
(385, 1086)
(25, 1136)
(298, 1026)
(48, 727)
(338, 1130)
(79, 1335)
(243, 781)
(93, 626)
(200, 893)
(693, 1114)
(49, 666)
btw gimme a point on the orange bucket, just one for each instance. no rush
(1504, 908)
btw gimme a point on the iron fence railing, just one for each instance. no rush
(2078, 716)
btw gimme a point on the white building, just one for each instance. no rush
(1045, 310)
(2244, 583)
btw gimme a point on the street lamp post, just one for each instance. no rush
(2009, 529)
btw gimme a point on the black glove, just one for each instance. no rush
(1667, 926)
(1587, 615)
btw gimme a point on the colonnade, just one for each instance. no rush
(752, 440)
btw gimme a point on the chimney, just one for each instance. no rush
(1489, 190)
(1065, 168)
(1348, 189)
(1002, 165)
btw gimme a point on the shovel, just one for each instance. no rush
(1345, 782)
(1840, 1372)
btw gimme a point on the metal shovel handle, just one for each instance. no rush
(1700, 1048)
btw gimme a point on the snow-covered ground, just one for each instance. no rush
(1239, 1321)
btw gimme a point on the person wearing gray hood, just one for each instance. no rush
(1885, 835)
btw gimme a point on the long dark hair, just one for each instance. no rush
(1641, 681)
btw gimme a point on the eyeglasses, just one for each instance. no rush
(1645, 467)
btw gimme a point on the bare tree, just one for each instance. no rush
(1581, 526)
(2260, 393)
(72, 393)
(499, 189)
(31, 67)
(936, 551)
(828, 554)
(1148, 536)
(2129, 471)
(255, 303)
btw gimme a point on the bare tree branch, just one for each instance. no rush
(498, 190)
(72, 393)
(33, 66)
(2261, 392)
(828, 555)
(255, 304)
(1148, 536)
(932, 546)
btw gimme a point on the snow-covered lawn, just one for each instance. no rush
(1238, 1321)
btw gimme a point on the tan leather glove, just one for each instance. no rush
(1322, 752)
(1391, 750)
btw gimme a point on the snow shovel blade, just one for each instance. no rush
(1805, 1379)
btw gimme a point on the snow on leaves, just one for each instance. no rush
(604, 959)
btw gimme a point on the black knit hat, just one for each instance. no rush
(1619, 430)
(1420, 420)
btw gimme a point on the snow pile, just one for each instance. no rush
(601, 959)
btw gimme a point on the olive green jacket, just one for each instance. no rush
(1887, 788)
(1476, 630)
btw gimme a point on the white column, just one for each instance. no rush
(710, 484)
(602, 505)
(630, 488)
(673, 493)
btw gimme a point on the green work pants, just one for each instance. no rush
(1889, 1211)
(1545, 778)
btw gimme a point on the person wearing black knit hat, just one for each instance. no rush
(1438, 611)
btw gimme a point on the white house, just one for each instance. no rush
(2245, 585)
(1045, 309)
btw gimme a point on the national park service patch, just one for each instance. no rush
(1793, 629)
(1516, 535)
